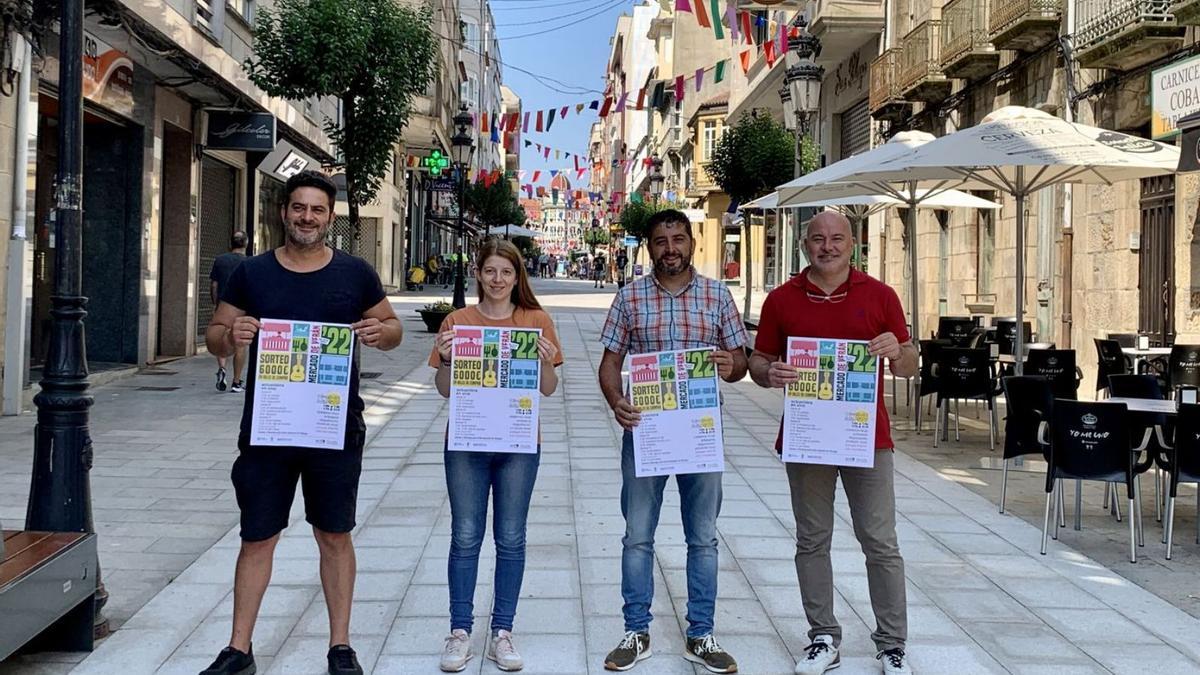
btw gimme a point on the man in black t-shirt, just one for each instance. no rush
(304, 280)
(222, 268)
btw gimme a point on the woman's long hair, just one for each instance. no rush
(522, 292)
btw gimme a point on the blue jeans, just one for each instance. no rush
(641, 503)
(470, 476)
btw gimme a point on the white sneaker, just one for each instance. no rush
(457, 651)
(501, 650)
(895, 662)
(819, 657)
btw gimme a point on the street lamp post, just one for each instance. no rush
(803, 85)
(60, 498)
(656, 177)
(464, 146)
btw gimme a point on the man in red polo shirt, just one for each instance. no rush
(831, 300)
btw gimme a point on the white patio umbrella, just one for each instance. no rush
(840, 180)
(508, 231)
(1019, 151)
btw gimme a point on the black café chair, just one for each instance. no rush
(1030, 401)
(1181, 461)
(1147, 428)
(964, 374)
(1006, 334)
(1183, 366)
(956, 329)
(928, 382)
(1112, 361)
(1058, 366)
(1124, 339)
(1090, 441)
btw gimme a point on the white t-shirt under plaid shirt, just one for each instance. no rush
(645, 317)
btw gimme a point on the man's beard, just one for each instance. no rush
(302, 240)
(661, 266)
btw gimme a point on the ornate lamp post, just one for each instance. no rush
(803, 85)
(656, 177)
(464, 147)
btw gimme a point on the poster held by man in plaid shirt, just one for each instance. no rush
(671, 309)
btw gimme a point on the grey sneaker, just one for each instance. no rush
(221, 379)
(501, 650)
(705, 651)
(819, 657)
(633, 647)
(456, 652)
(895, 662)
(238, 387)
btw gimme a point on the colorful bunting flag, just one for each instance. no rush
(731, 15)
(699, 78)
(562, 114)
(716, 19)
(546, 152)
(745, 57)
(536, 174)
(550, 121)
(621, 102)
(702, 15)
(594, 104)
(607, 104)
(769, 53)
(538, 126)
(579, 108)
(747, 32)
(525, 126)
(641, 98)
(720, 71)
(679, 88)
(682, 6)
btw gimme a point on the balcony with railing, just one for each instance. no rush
(843, 25)
(921, 76)
(884, 98)
(1024, 25)
(1124, 34)
(1187, 12)
(967, 51)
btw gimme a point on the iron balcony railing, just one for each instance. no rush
(1099, 20)
(964, 29)
(1005, 13)
(919, 54)
(885, 80)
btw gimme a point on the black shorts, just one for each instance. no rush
(264, 479)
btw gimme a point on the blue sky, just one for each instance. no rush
(575, 56)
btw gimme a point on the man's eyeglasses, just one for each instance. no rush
(831, 299)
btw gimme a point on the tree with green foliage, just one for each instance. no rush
(634, 219)
(374, 56)
(595, 236)
(494, 204)
(753, 157)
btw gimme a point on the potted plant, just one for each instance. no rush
(434, 313)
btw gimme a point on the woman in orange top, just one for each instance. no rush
(505, 301)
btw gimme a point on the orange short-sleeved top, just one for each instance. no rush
(521, 318)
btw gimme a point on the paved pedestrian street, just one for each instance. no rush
(981, 599)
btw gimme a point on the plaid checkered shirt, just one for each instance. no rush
(645, 317)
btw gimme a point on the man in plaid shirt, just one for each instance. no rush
(673, 308)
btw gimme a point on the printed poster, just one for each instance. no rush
(302, 384)
(678, 397)
(494, 396)
(829, 415)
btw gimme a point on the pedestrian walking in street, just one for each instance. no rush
(831, 300)
(598, 271)
(506, 300)
(222, 268)
(673, 308)
(304, 280)
(622, 261)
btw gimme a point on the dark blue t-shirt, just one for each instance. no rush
(223, 267)
(340, 292)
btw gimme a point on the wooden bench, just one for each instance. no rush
(47, 591)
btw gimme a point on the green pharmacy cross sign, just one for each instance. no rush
(436, 162)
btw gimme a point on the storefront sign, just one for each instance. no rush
(1174, 93)
(286, 161)
(847, 82)
(107, 76)
(239, 130)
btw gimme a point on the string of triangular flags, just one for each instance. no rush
(741, 25)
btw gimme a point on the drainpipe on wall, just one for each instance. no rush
(18, 291)
(1068, 228)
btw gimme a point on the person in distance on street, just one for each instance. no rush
(222, 268)
(831, 300)
(672, 308)
(506, 300)
(303, 280)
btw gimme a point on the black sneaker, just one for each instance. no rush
(221, 386)
(633, 648)
(342, 661)
(705, 651)
(232, 662)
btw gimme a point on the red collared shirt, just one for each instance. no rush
(867, 309)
